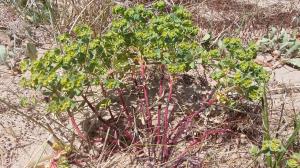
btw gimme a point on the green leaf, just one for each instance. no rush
(294, 161)
(118, 9)
(254, 150)
(160, 5)
(104, 103)
(264, 40)
(206, 38)
(192, 65)
(294, 48)
(284, 45)
(112, 84)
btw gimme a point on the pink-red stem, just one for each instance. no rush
(166, 120)
(105, 95)
(197, 141)
(76, 127)
(53, 163)
(159, 110)
(124, 106)
(146, 97)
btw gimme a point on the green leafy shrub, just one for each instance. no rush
(138, 36)
(66, 72)
(97, 73)
(154, 37)
(235, 71)
(87, 71)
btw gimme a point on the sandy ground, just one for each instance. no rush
(21, 141)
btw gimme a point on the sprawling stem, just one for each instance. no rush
(160, 95)
(159, 108)
(125, 109)
(166, 120)
(94, 110)
(75, 126)
(197, 141)
(185, 123)
(105, 95)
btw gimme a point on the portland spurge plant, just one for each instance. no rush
(108, 77)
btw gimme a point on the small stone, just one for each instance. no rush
(276, 54)
(264, 60)
(268, 58)
(243, 139)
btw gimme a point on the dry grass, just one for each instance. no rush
(91, 12)
(245, 19)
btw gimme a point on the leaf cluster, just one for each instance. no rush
(138, 37)
(294, 161)
(274, 150)
(154, 36)
(67, 71)
(235, 70)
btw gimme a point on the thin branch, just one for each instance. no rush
(94, 110)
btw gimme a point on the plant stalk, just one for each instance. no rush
(124, 106)
(146, 96)
(166, 120)
(76, 127)
(94, 110)
(159, 110)
(105, 95)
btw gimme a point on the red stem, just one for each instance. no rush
(117, 134)
(159, 109)
(124, 106)
(106, 123)
(53, 163)
(166, 120)
(181, 126)
(105, 95)
(185, 123)
(199, 140)
(94, 110)
(146, 97)
(76, 127)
